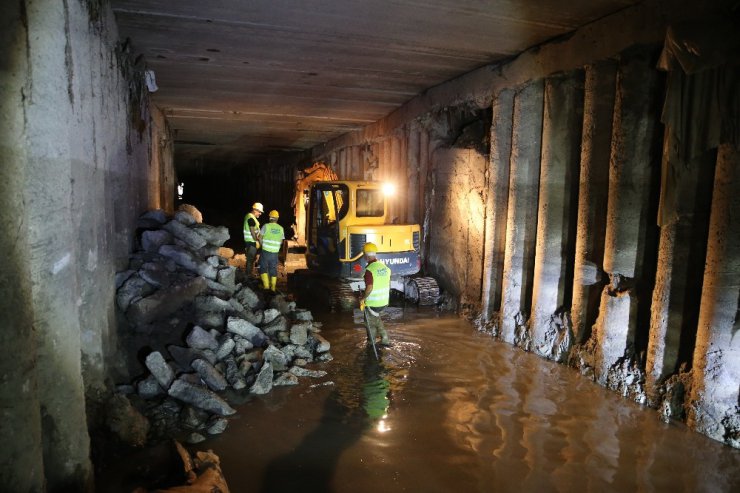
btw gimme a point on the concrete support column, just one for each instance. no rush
(497, 202)
(593, 190)
(412, 159)
(681, 256)
(713, 408)
(52, 254)
(631, 170)
(21, 461)
(521, 222)
(556, 217)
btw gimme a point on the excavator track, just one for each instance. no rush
(341, 296)
(422, 290)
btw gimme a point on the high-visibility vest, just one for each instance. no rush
(247, 232)
(272, 237)
(381, 284)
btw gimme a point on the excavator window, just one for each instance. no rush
(370, 203)
(330, 205)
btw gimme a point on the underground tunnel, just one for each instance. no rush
(565, 178)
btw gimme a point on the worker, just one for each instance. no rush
(252, 236)
(377, 292)
(272, 241)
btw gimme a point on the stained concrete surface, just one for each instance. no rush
(449, 409)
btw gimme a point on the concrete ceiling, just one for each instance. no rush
(239, 80)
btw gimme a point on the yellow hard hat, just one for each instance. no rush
(258, 206)
(370, 248)
(274, 213)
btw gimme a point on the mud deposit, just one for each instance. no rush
(450, 409)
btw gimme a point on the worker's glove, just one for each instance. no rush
(362, 305)
(257, 243)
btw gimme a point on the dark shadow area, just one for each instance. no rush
(697, 234)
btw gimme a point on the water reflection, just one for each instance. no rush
(448, 409)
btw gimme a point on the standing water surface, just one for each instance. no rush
(448, 409)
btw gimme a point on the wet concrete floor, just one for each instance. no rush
(450, 409)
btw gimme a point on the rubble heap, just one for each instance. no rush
(218, 339)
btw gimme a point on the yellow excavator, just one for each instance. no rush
(341, 216)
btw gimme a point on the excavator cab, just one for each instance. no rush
(344, 215)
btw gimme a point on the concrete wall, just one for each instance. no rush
(78, 168)
(550, 230)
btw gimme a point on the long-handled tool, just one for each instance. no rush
(367, 326)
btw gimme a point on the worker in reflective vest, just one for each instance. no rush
(272, 240)
(377, 292)
(252, 235)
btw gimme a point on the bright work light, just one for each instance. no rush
(389, 189)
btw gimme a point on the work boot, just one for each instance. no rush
(265, 281)
(273, 284)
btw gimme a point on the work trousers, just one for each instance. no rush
(375, 325)
(269, 263)
(251, 252)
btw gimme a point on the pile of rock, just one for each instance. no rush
(217, 339)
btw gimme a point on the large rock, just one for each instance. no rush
(200, 397)
(285, 379)
(185, 218)
(217, 426)
(269, 315)
(233, 375)
(276, 357)
(244, 329)
(186, 259)
(210, 375)
(303, 372)
(122, 277)
(299, 333)
(149, 388)
(165, 301)
(255, 318)
(157, 215)
(225, 348)
(319, 344)
(185, 234)
(125, 421)
(133, 288)
(247, 298)
(279, 324)
(156, 275)
(183, 356)
(160, 369)
(213, 235)
(193, 211)
(282, 305)
(227, 277)
(223, 291)
(151, 241)
(199, 338)
(213, 320)
(303, 315)
(263, 383)
(207, 303)
(242, 345)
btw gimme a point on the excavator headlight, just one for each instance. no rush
(389, 189)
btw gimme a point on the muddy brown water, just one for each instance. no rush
(449, 409)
